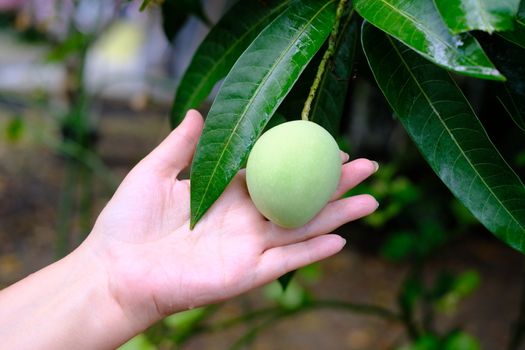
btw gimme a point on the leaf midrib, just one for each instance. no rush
(452, 135)
(229, 50)
(428, 31)
(252, 99)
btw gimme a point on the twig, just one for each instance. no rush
(366, 309)
(326, 57)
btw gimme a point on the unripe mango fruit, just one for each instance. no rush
(292, 171)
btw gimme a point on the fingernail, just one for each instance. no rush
(347, 156)
(377, 204)
(376, 165)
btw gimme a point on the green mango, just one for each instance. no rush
(292, 171)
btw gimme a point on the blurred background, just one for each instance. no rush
(86, 88)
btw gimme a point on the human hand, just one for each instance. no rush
(155, 265)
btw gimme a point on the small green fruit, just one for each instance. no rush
(292, 171)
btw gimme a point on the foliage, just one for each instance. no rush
(300, 58)
(422, 56)
(409, 47)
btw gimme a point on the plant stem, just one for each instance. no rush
(366, 309)
(326, 57)
(249, 337)
(278, 313)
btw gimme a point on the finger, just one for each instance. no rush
(177, 149)
(332, 216)
(354, 173)
(277, 261)
(344, 156)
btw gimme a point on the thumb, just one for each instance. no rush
(177, 149)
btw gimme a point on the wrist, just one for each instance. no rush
(106, 319)
(66, 305)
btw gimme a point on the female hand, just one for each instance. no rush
(141, 262)
(157, 266)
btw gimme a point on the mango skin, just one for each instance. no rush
(292, 171)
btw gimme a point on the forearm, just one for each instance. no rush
(66, 305)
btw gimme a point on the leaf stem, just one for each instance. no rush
(326, 57)
(365, 309)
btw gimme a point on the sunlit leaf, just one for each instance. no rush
(419, 25)
(444, 127)
(487, 15)
(251, 93)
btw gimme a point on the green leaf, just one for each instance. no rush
(424, 342)
(15, 128)
(144, 4)
(399, 246)
(514, 106)
(220, 49)
(444, 127)
(459, 340)
(419, 25)
(509, 60)
(251, 93)
(327, 107)
(285, 279)
(73, 44)
(487, 15)
(517, 36)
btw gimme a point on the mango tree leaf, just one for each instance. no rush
(509, 60)
(293, 104)
(220, 49)
(250, 94)
(487, 15)
(327, 107)
(419, 25)
(144, 4)
(514, 106)
(285, 279)
(459, 340)
(517, 36)
(444, 127)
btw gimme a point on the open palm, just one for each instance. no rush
(157, 265)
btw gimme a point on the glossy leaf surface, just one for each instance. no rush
(510, 61)
(514, 105)
(327, 107)
(419, 25)
(487, 15)
(250, 94)
(220, 49)
(517, 36)
(444, 127)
